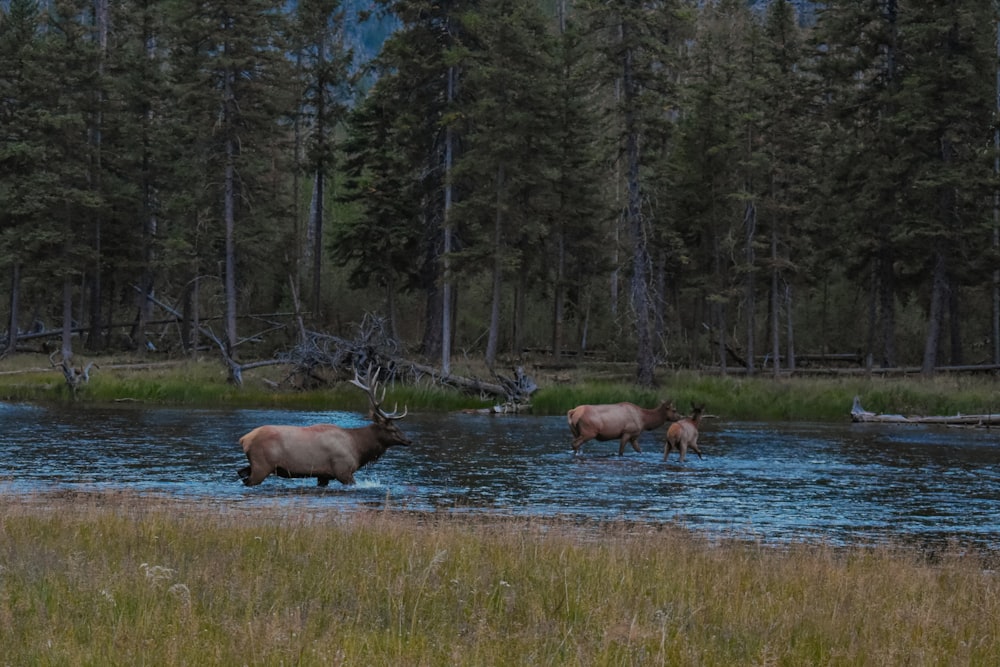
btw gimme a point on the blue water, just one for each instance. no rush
(842, 483)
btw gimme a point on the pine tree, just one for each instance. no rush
(510, 119)
(405, 162)
(632, 39)
(231, 68)
(323, 66)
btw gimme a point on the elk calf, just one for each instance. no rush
(684, 433)
(323, 451)
(618, 421)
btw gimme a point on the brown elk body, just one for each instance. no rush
(323, 451)
(684, 433)
(618, 421)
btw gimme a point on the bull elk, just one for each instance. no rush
(684, 433)
(323, 451)
(618, 421)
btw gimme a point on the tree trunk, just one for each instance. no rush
(633, 216)
(520, 307)
(939, 285)
(316, 235)
(749, 288)
(775, 305)
(493, 339)
(559, 295)
(230, 221)
(446, 300)
(789, 329)
(390, 298)
(67, 320)
(15, 305)
(887, 300)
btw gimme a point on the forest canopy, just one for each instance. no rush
(680, 183)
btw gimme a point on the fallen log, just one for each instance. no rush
(859, 414)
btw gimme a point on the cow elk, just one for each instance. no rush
(323, 451)
(619, 421)
(684, 433)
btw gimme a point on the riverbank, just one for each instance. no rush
(126, 578)
(203, 383)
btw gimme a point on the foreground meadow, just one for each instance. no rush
(127, 579)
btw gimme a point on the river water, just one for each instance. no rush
(837, 482)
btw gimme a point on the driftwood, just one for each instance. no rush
(319, 358)
(75, 377)
(859, 414)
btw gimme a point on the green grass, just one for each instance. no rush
(769, 399)
(732, 397)
(127, 580)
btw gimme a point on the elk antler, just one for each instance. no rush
(372, 389)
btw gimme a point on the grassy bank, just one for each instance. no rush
(131, 580)
(203, 383)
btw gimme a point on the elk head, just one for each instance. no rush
(384, 422)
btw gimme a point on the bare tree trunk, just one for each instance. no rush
(230, 221)
(633, 214)
(789, 329)
(939, 275)
(559, 293)
(718, 307)
(520, 308)
(101, 24)
(316, 228)
(887, 301)
(390, 298)
(67, 320)
(954, 324)
(938, 288)
(775, 305)
(492, 341)
(15, 305)
(750, 227)
(299, 241)
(446, 301)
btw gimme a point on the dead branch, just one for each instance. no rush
(74, 375)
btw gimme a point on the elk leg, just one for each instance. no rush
(635, 444)
(253, 477)
(244, 473)
(322, 480)
(694, 446)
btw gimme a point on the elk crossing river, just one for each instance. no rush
(836, 482)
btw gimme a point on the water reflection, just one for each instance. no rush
(838, 482)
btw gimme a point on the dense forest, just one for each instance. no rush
(675, 182)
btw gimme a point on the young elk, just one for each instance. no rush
(323, 451)
(684, 433)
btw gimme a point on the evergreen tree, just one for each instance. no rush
(632, 40)
(403, 165)
(323, 65)
(575, 252)
(232, 67)
(708, 170)
(510, 84)
(22, 148)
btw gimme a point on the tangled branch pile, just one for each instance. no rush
(320, 358)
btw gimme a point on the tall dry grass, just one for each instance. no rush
(130, 580)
